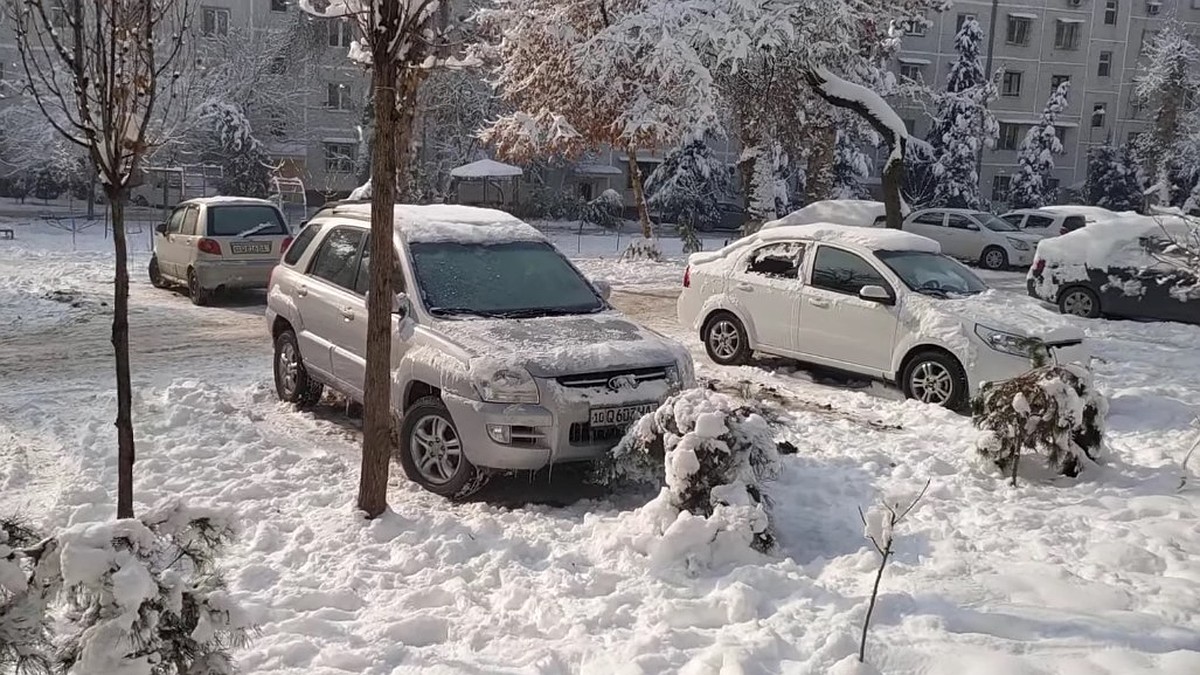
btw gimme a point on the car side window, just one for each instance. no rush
(1039, 222)
(777, 261)
(933, 218)
(1014, 219)
(303, 241)
(960, 222)
(337, 258)
(189, 221)
(175, 222)
(1073, 223)
(363, 284)
(844, 272)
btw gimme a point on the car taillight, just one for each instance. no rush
(687, 277)
(284, 246)
(209, 246)
(1038, 266)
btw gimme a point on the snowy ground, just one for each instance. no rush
(1095, 576)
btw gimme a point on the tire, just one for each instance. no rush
(994, 258)
(292, 382)
(1079, 301)
(432, 454)
(199, 295)
(949, 387)
(725, 340)
(156, 277)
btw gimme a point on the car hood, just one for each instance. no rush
(1031, 237)
(1006, 312)
(561, 345)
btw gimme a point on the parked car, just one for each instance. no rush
(1128, 267)
(876, 302)
(504, 355)
(975, 236)
(858, 212)
(1044, 222)
(214, 244)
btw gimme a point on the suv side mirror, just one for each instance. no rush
(874, 293)
(161, 228)
(401, 304)
(603, 288)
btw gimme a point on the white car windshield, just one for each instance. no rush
(995, 224)
(932, 274)
(518, 279)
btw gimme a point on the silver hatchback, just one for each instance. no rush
(504, 356)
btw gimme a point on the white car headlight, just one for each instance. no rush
(1010, 343)
(1019, 244)
(507, 384)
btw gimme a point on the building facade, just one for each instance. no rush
(1096, 44)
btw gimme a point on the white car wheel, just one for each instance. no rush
(725, 340)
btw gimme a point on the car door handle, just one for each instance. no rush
(749, 288)
(818, 303)
(347, 313)
(302, 291)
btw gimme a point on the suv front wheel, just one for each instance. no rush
(431, 451)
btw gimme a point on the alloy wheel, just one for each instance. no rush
(931, 382)
(994, 259)
(723, 339)
(1078, 303)
(288, 364)
(436, 449)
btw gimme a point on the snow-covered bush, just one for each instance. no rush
(25, 645)
(712, 454)
(546, 202)
(1054, 410)
(604, 210)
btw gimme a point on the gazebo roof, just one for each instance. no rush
(486, 168)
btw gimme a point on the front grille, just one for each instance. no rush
(601, 380)
(527, 437)
(582, 433)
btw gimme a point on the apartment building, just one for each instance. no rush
(1096, 44)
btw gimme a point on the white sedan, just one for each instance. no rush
(881, 303)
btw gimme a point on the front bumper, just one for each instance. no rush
(1022, 259)
(235, 274)
(994, 366)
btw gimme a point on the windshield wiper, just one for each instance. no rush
(256, 229)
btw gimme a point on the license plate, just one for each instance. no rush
(621, 416)
(250, 246)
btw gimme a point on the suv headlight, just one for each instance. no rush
(1019, 244)
(507, 384)
(1010, 343)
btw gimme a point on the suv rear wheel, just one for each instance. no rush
(431, 451)
(292, 382)
(937, 378)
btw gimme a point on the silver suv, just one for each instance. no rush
(504, 355)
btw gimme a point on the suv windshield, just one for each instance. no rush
(244, 221)
(932, 274)
(512, 280)
(995, 224)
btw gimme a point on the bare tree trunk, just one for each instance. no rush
(639, 195)
(821, 157)
(377, 399)
(893, 202)
(120, 343)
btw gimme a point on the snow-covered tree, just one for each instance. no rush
(687, 187)
(454, 106)
(1031, 185)
(1168, 82)
(1112, 179)
(246, 165)
(851, 167)
(25, 640)
(963, 126)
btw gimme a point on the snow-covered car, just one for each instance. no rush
(857, 212)
(505, 356)
(214, 244)
(1133, 266)
(1044, 222)
(876, 302)
(975, 237)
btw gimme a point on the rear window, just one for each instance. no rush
(244, 220)
(303, 240)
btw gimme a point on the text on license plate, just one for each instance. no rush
(622, 416)
(250, 246)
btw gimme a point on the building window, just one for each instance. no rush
(58, 14)
(1099, 112)
(911, 71)
(214, 21)
(1153, 7)
(1104, 69)
(1066, 34)
(1012, 83)
(1057, 80)
(279, 5)
(337, 96)
(1009, 136)
(916, 27)
(1018, 29)
(1110, 12)
(340, 33)
(1000, 185)
(962, 18)
(340, 157)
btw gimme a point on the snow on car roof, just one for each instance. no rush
(873, 238)
(228, 199)
(1114, 242)
(835, 211)
(1091, 213)
(452, 222)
